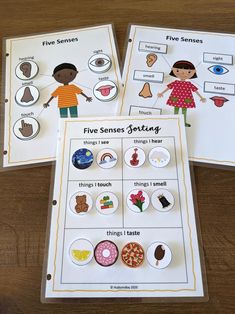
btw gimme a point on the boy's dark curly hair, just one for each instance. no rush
(63, 66)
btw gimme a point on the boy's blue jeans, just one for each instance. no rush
(73, 112)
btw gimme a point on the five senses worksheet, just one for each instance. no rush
(172, 71)
(52, 76)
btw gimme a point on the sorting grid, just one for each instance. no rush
(123, 179)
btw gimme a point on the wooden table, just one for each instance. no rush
(24, 193)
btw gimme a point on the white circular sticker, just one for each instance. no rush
(81, 252)
(27, 96)
(159, 255)
(106, 158)
(138, 201)
(99, 63)
(80, 203)
(134, 157)
(107, 203)
(162, 200)
(159, 157)
(26, 70)
(26, 128)
(105, 90)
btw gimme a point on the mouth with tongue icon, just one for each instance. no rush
(219, 100)
(105, 89)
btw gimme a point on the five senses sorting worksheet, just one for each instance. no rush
(122, 216)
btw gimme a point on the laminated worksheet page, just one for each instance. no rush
(52, 76)
(172, 71)
(122, 216)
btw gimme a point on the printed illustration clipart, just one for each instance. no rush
(181, 95)
(65, 73)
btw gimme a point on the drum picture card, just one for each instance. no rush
(52, 76)
(173, 71)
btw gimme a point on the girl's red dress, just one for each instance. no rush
(181, 95)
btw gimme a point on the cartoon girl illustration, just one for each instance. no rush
(181, 95)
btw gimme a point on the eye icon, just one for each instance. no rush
(99, 63)
(218, 69)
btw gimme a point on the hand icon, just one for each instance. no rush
(160, 95)
(26, 129)
(46, 105)
(89, 99)
(203, 99)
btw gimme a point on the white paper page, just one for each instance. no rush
(152, 53)
(103, 204)
(30, 130)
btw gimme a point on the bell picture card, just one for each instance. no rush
(51, 76)
(173, 71)
(122, 212)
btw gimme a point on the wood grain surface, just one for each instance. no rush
(24, 193)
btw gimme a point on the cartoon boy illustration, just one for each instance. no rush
(181, 95)
(67, 93)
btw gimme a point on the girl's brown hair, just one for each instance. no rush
(183, 64)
